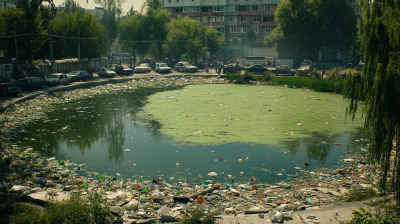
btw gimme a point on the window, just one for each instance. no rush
(269, 19)
(177, 0)
(218, 9)
(206, 9)
(1, 5)
(191, 9)
(256, 19)
(255, 8)
(230, 19)
(241, 8)
(218, 19)
(178, 9)
(255, 29)
(243, 19)
(268, 30)
(169, 0)
(221, 29)
(243, 29)
(212, 19)
(197, 19)
(267, 8)
(233, 29)
(204, 19)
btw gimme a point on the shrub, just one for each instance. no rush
(197, 216)
(74, 210)
(356, 195)
(267, 76)
(370, 218)
(315, 73)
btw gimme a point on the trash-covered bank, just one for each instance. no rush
(28, 174)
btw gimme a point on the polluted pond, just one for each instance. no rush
(156, 148)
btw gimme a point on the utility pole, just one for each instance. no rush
(206, 56)
(16, 56)
(79, 44)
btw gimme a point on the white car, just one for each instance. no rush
(162, 68)
(106, 72)
(144, 67)
(185, 67)
(58, 79)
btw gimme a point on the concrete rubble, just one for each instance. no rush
(25, 173)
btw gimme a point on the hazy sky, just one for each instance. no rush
(90, 4)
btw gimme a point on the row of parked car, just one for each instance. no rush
(162, 67)
(30, 83)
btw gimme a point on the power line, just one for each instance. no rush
(104, 39)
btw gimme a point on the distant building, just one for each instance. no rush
(234, 18)
(97, 12)
(8, 3)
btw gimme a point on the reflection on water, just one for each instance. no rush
(96, 131)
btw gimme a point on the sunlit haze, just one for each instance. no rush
(91, 5)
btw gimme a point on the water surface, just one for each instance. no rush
(204, 128)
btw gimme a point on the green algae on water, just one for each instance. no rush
(223, 114)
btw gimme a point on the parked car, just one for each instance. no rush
(58, 79)
(256, 68)
(283, 69)
(79, 75)
(144, 67)
(105, 72)
(304, 69)
(10, 89)
(123, 70)
(185, 67)
(162, 68)
(231, 68)
(32, 83)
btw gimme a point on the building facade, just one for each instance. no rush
(234, 18)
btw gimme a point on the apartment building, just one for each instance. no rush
(235, 18)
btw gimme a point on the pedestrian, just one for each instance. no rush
(216, 66)
(42, 76)
(219, 67)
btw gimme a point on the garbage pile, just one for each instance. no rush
(25, 173)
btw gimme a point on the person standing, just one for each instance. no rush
(216, 66)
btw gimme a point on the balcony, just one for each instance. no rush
(269, 24)
(255, 13)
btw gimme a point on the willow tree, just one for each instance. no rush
(378, 86)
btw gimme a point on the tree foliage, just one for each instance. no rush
(379, 86)
(187, 36)
(304, 25)
(112, 10)
(65, 29)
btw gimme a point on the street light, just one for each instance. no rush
(79, 43)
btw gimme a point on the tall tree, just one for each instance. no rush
(133, 36)
(379, 87)
(305, 25)
(154, 4)
(65, 29)
(156, 28)
(187, 36)
(111, 18)
(24, 28)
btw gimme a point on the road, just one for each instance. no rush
(6, 100)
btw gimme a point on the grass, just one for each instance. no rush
(333, 84)
(74, 210)
(356, 195)
(318, 85)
